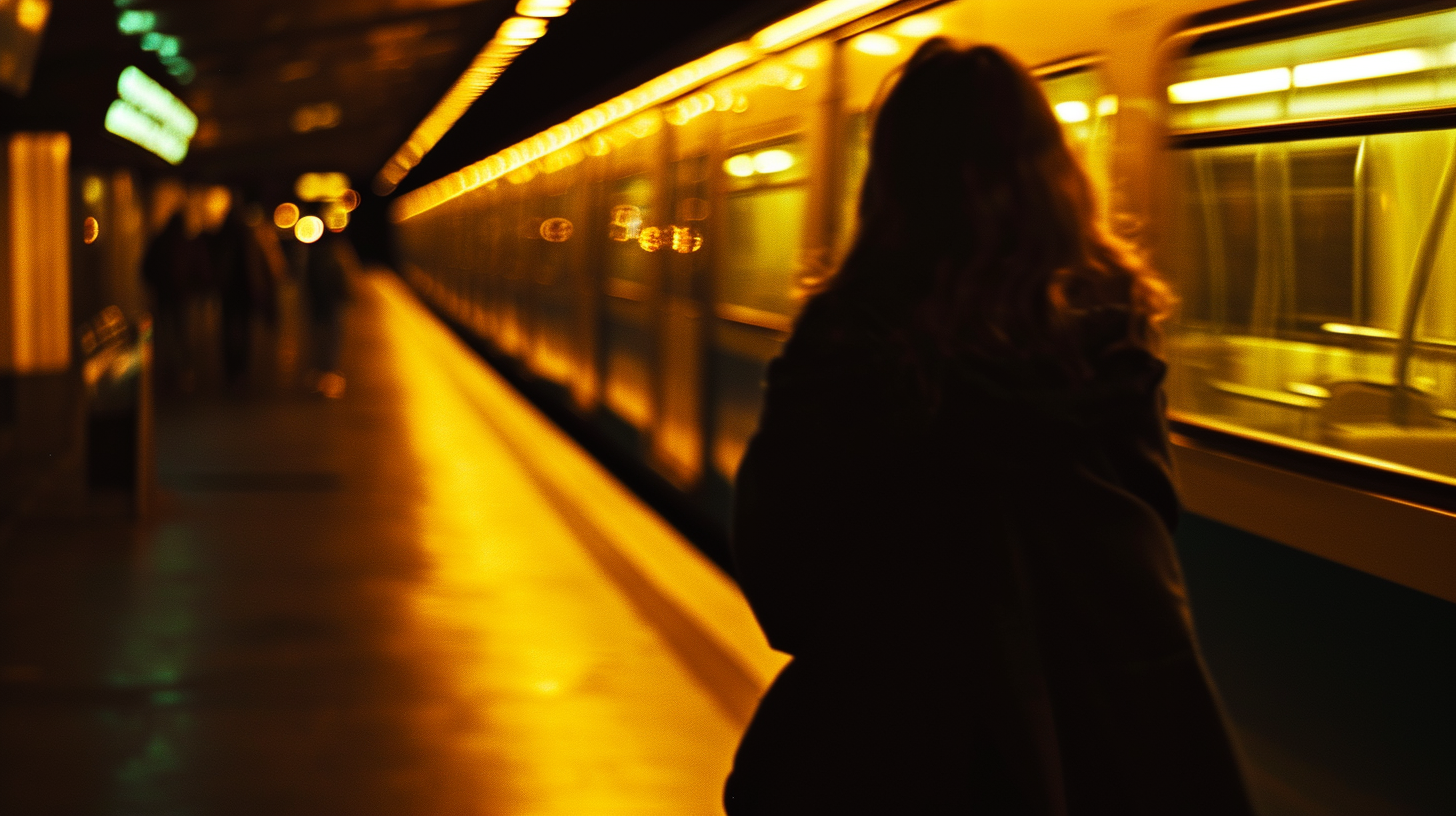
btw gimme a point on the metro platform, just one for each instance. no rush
(421, 598)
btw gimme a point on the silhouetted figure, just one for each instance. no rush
(237, 265)
(326, 288)
(956, 512)
(174, 269)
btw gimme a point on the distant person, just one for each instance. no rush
(243, 291)
(956, 512)
(327, 267)
(174, 269)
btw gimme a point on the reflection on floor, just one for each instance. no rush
(417, 599)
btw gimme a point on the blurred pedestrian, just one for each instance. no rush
(243, 290)
(956, 512)
(174, 269)
(328, 265)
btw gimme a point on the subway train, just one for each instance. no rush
(1289, 167)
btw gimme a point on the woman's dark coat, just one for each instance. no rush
(976, 581)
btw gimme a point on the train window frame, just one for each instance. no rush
(724, 307)
(1221, 30)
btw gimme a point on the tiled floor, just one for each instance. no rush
(418, 599)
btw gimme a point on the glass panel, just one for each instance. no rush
(1087, 113)
(1308, 309)
(679, 442)
(855, 161)
(1404, 64)
(630, 212)
(765, 231)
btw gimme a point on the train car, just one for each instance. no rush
(1291, 169)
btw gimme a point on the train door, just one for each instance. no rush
(678, 444)
(558, 212)
(629, 324)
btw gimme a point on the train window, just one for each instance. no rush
(855, 160)
(1316, 262)
(871, 57)
(766, 210)
(1087, 111)
(631, 213)
(1382, 67)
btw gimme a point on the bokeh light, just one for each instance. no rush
(740, 166)
(309, 228)
(557, 230)
(652, 239)
(285, 215)
(876, 45)
(90, 230)
(686, 239)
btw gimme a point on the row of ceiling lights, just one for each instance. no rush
(143, 23)
(780, 36)
(514, 36)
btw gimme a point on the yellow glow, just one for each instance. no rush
(626, 223)
(1365, 66)
(557, 230)
(285, 215)
(32, 14)
(215, 205)
(37, 315)
(686, 239)
(661, 746)
(90, 230)
(336, 218)
(772, 161)
(582, 126)
(526, 29)
(740, 166)
(1107, 105)
(918, 27)
(1357, 331)
(652, 239)
(542, 8)
(1226, 87)
(321, 116)
(309, 228)
(1070, 112)
(92, 190)
(875, 44)
(321, 186)
(513, 37)
(813, 21)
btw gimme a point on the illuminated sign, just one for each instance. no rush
(151, 116)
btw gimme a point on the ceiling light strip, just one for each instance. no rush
(573, 130)
(784, 34)
(514, 36)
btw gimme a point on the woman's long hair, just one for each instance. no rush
(978, 231)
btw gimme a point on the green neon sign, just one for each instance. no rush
(132, 124)
(136, 22)
(151, 116)
(144, 93)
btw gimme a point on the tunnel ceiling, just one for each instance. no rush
(294, 85)
(289, 86)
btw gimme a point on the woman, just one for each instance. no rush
(956, 512)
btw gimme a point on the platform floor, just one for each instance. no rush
(418, 599)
